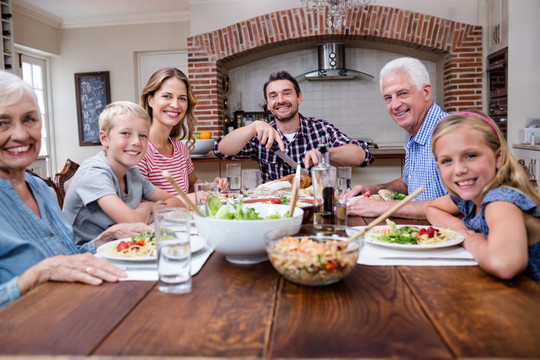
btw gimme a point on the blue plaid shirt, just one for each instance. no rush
(310, 134)
(420, 169)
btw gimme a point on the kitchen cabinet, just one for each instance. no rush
(530, 154)
(498, 25)
(7, 36)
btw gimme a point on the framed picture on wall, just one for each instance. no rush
(93, 93)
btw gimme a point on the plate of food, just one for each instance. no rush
(382, 195)
(140, 248)
(412, 237)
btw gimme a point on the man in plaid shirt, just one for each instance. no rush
(406, 90)
(295, 135)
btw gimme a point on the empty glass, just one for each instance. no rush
(234, 176)
(251, 178)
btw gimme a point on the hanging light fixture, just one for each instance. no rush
(335, 11)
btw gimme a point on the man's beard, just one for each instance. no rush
(286, 118)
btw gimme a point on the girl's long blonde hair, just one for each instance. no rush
(186, 127)
(510, 173)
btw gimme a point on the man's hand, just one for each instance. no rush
(267, 135)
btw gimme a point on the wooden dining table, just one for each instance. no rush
(250, 311)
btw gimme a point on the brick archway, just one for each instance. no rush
(460, 45)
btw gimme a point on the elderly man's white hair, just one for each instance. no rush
(417, 72)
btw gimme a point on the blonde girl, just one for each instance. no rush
(490, 198)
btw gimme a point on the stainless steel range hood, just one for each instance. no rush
(331, 59)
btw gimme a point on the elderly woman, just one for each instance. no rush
(36, 242)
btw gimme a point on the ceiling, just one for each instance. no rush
(71, 10)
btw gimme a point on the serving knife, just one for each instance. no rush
(289, 160)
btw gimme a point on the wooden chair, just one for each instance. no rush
(63, 179)
(50, 183)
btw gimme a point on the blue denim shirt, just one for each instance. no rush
(26, 239)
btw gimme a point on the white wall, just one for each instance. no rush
(110, 49)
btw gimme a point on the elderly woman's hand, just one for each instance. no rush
(84, 268)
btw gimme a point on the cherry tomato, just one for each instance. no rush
(276, 201)
(367, 195)
(430, 231)
(122, 245)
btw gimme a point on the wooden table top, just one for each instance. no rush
(249, 311)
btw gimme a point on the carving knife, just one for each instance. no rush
(289, 160)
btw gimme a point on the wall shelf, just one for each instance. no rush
(7, 62)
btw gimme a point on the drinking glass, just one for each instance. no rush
(343, 182)
(172, 231)
(234, 176)
(343, 186)
(251, 178)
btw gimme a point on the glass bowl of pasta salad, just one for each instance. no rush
(313, 254)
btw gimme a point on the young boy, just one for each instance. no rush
(108, 188)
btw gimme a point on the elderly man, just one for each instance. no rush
(295, 134)
(406, 90)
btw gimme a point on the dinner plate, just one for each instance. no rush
(197, 243)
(454, 239)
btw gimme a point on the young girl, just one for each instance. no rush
(169, 101)
(500, 207)
(108, 187)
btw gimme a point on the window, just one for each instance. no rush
(33, 71)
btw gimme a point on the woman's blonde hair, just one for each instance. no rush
(510, 173)
(154, 84)
(109, 116)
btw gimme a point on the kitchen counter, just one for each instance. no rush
(526, 147)
(380, 153)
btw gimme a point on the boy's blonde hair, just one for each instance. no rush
(109, 116)
(510, 173)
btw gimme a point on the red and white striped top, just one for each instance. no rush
(179, 165)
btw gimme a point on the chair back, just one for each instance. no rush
(63, 179)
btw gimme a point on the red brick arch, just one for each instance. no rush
(459, 44)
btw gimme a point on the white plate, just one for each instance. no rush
(454, 239)
(197, 243)
(197, 155)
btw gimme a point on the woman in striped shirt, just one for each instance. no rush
(169, 100)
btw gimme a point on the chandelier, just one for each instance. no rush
(335, 11)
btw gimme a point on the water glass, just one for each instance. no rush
(234, 176)
(343, 182)
(172, 232)
(251, 178)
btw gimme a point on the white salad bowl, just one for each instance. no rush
(202, 146)
(243, 241)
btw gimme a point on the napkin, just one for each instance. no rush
(373, 254)
(148, 272)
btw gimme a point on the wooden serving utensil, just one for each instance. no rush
(181, 192)
(387, 214)
(295, 188)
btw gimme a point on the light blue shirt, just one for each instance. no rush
(420, 168)
(26, 239)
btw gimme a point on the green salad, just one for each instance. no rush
(215, 209)
(402, 235)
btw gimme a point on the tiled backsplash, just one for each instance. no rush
(355, 106)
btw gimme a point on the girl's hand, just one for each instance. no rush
(223, 184)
